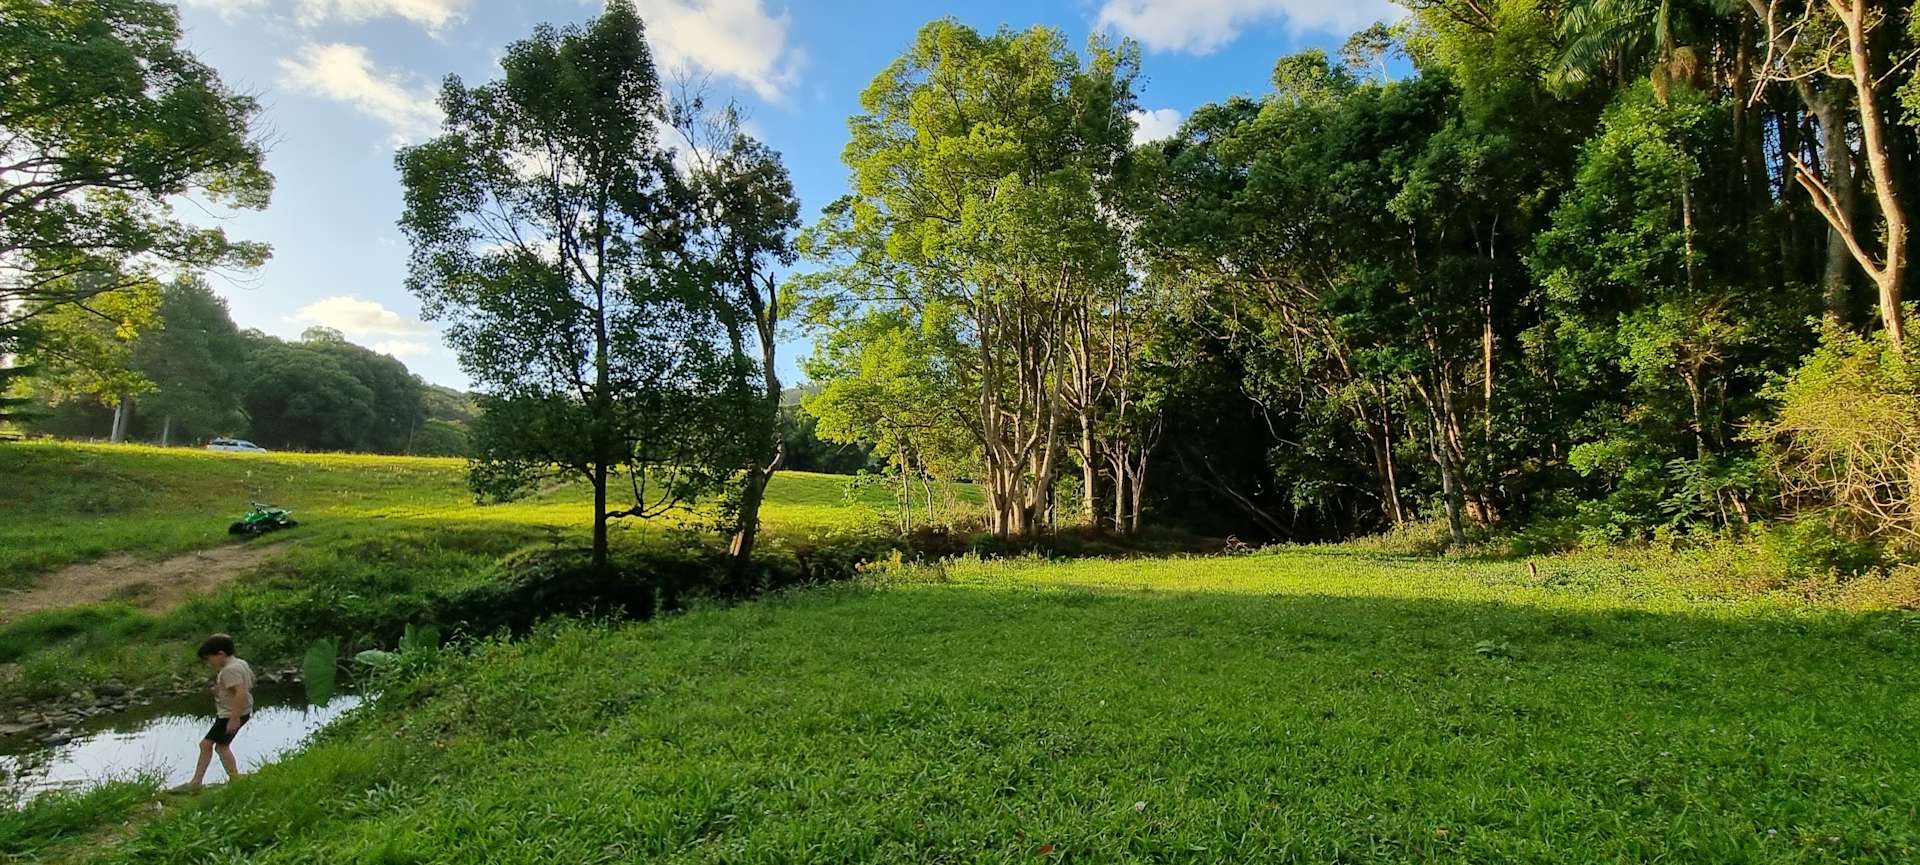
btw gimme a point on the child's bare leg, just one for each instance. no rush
(200, 768)
(227, 762)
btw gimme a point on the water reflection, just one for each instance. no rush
(163, 740)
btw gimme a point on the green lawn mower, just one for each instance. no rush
(263, 519)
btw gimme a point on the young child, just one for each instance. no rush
(233, 705)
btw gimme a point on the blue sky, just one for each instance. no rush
(346, 81)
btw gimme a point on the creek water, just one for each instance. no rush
(163, 740)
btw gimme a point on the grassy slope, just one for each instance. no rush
(74, 503)
(1305, 706)
(378, 535)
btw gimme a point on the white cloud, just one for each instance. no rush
(432, 14)
(226, 8)
(402, 347)
(356, 316)
(1200, 26)
(736, 39)
(1154, 125)
(343, 73)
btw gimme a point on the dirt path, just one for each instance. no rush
(140, 583)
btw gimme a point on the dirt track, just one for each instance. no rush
(140, 583)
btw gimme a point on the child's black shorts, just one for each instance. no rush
(218, 735)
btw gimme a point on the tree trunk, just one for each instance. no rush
(122, 418)
(1879, 158)
(1442, 447)
(1090, 472)
(1137, 479)
(1836, 157)
(600, 516)
(166, 432)
(772, 452)
(1450, 490)
(906, 498)
(753, 491)
(1697, 394)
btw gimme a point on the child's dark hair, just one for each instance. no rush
(218, 644)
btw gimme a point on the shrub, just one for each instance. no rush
(1848, 436)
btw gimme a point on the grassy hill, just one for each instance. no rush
(73, 503)
(383, 541)
(1302, 706)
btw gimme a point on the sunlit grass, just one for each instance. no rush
(1296, 706)
(72, 503)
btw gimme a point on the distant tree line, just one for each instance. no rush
(174, 369)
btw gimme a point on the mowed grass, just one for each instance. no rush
(1296, 706)
(68, 503)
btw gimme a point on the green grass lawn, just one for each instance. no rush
(1299, 706)
(71, 503)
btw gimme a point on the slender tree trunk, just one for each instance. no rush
(1879, 159)
(906, 498)
(1691, 375)
(767, 459)
(1450, 490)
(603, 432)
(599, 516)
(1836, 156)
(1090, 471)
(122, 418)
(166, 431)
(1686, 223)
(1137, 505)
(1442, 447)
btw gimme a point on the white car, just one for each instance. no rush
(235, 446)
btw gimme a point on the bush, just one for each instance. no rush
(1811, 547)
(1848, 437)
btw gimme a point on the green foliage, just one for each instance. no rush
(319, 670)
(194, 359)
(971, 249)
(438, 438)
(108, 120)
(1848, 435)
(86, 352)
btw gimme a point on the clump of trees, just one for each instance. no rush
(978, 314)
(1499, 264)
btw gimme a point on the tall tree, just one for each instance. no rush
(195, 359)
(746, 220)
(549, 228)
(106, 120)
(979, 166)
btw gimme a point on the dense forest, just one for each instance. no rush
(1605, 269)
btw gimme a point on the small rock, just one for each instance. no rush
(110, 689)
(80, 696)
(14, 729)
(267, 679)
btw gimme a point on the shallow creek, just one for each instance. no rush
(163, 740)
